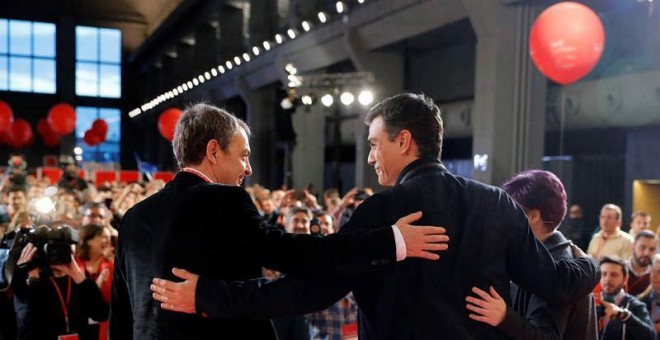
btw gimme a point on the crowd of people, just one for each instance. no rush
(63, 248)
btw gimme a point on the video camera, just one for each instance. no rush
(53, 245)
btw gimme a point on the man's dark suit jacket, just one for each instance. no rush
(490, 243)
(216, 231)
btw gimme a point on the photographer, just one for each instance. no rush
(51, 294)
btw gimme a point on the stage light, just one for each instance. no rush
(327, 100)
(306, 26)
(322, 17)
(347, 98)
(340, 7)
(366, 97)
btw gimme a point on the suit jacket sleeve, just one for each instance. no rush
(307, 254)
(639, 325)
(538, 325)
(121, 314)
(531, 266)
(261, 298)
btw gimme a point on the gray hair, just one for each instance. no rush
(199, 124)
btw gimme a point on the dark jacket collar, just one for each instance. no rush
(415, 167)
(188, 178)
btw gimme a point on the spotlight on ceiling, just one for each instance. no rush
(366, 97)
(327, 100)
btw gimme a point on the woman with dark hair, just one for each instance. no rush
(92, 255)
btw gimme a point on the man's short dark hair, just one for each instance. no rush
(639, 213)
(539, 189)
(646, 234)
(199, 124)
(614, 260)
(415, 113)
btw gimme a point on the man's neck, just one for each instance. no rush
(609, 234)
(204, 169)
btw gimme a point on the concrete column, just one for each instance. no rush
(509, 109)
(388, 68)
(207, 47)
(309, 152)
(263, 21)
(260, 118)
(185, 50)
(231, 33)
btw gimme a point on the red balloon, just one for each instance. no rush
(19, 134)
(566, 42)
(51, 140)
(167, 122)
(6, 116)
(62, 119)
(91, 138)
(100, 127)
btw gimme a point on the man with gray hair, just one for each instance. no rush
(204, 220)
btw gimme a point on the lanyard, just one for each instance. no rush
(64, 304)
(198, 173)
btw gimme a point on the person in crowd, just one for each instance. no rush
(620, 315)
(331, 323)
(98, 213)
(611, 240)
(543, 198)
(651, 296)
(574, 228)
(639, 266)
(93, 257)
(639, 220)
(55, 302)
(70, 179)
(412, 299)
(17, 201)
(204, 219)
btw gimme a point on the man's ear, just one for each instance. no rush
(212, 150)
(405, 141)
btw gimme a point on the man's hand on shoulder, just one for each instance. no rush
(421, 241)
(176, 296)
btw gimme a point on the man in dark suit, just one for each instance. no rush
(216, 230)
(491, 244)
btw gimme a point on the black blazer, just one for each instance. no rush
(490, 244)
(215, 231)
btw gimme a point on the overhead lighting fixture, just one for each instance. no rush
(366, 97)
(195, 81)
(361, 1)
(200, 78)
(291, 33)
(190, 84)
(246, 57)
(229, 65)
(176, 92)
(180, 88)
(347, 98)
(214, 72)
(207, 75)
(286, 103)
(306, 26)
(290, 69)
(327, 100)
(278, 38)
(266, 45)
(185, 87)
(237, 60)
(322, 17)
(307, 99)
(340, 7)
(255, 51)
(221, 69)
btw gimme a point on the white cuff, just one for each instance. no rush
(400, 243)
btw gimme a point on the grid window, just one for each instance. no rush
(27, 56)
(107, 151)
(98, 62)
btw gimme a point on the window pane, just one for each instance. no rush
(87, 79)
(110, 81)
(44, 39)
(3, 36)
(110, 45)
(44, 75)
(19, 37)
(113, 118)
(4, 75)
(20, 74)
(85, 116)
(87, 43)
